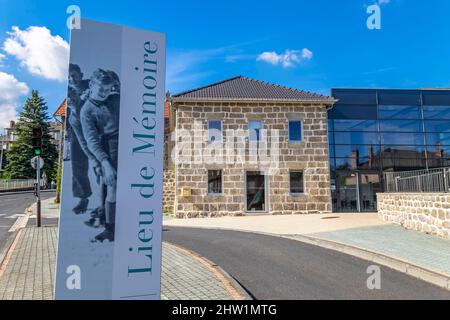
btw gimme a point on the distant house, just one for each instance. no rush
(58, 132)
(287, 128)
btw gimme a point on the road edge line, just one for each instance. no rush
(235, 290)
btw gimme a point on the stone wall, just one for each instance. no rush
(425, 212)
(310, 155)
(168, 191)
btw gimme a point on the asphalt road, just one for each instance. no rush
(12, 205)
(277, 268)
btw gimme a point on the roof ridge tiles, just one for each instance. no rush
(245, 88)
(207, 86)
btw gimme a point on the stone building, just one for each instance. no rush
(245, 146)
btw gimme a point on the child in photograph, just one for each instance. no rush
(100, 123)
(79, 153)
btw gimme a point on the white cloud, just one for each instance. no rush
(380, 2)
(307, 54)
(289, 58)
(2, 57)
(11, 90)
(39, 52)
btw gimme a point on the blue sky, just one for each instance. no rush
(309, 45)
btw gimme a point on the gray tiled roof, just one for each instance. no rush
(242, 88)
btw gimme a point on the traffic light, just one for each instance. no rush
(37, 141)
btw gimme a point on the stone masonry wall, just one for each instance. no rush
(168, 191)
(425, 212)
(310, 155)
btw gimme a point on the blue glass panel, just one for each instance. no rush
(436, 97)
(355, 112)
(438, 138)
(295, 131)
(331, 150)
(330, 125)
(344, 164)
(404, 153)
(356, 163)
(399, 112)
(361, 151)
(402, 138)
(354, 96)
(330, 137)
(436, 112)
(405, 148)
(437, 126)
(399, 97)
(401, 126)
(355, 125)
(356, 138)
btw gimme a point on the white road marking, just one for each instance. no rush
(15, 216)
(20, 223)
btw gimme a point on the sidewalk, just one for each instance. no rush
(27, 272)
(421, 249)
(49, 209)
(360, 234)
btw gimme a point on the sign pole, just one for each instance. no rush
(38, 194)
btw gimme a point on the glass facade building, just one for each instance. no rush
(376, 130)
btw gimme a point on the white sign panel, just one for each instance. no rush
(111, 213)
(35, 161)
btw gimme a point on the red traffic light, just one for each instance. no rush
(36, 141)
(37, 133)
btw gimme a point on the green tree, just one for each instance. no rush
(34, 114)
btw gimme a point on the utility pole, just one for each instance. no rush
(38, 194)
(37, 161)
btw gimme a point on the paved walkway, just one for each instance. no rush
(283, 224)
(28, 271)
(49, 209)
(421, 249)
(362, 230)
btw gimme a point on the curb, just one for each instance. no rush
(234, 289)
(425, 274)
(7, 247)
(23, 192)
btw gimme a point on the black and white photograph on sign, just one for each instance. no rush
(93, 106)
